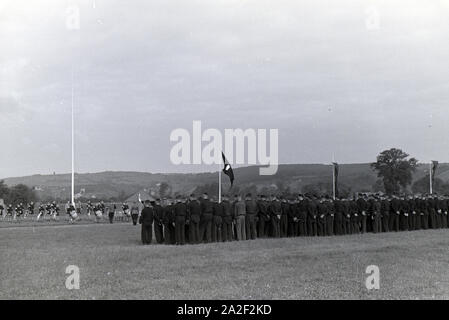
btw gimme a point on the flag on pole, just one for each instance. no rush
(335, 178)
(227, 170)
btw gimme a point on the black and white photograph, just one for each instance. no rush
(224, 151)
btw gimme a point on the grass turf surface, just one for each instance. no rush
(114, 265)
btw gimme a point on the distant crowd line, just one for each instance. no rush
(50, 211)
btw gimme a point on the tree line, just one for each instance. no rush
(19, 193)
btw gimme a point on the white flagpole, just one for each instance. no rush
(430, 177)
(73, 152)
(219, 183)
(333, 180)
(333, 176)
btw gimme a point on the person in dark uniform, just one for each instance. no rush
(240, 217)
(443, 206)
(403, 218)
(438, 213)
(226, 231)
(234, 216)
(285, 212)
(168, 219)
(292, 218)
(412, 213)
(312, 214)
(395, 212)
(250, 219)
(419, 214)
(274, 210)
(158, 221)
(355, 219)
(206, 219)
(420, 207)
(375, 208)
(446, 210)
(362, 209)
(146, 220)
(385, 213)
(217, 220)
(432, 212)
(194, 213)
(338, 217)
(424, 213)
(330, 217)
(264, 217)
(180, 212)
(346, 216)
(302, 216)
(322, 212)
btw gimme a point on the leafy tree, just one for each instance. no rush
(377, 187)
(20, 193)
(164, 189)
(395, 169)
(4, 190)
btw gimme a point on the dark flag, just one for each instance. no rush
(335, 177)
(227, 170)
(434, 169)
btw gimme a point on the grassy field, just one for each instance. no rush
(113, 264)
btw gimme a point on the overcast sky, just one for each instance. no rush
(329, 75)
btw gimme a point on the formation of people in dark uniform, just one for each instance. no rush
(202, 220)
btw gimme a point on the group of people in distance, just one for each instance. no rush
(192, 220)
(51, 211)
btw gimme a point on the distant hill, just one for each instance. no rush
(122, 184)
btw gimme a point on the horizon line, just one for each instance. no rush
(189, 173)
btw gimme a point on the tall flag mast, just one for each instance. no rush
(430, 178)
(72, 23)
(335, 179)
(73, 152)
(219, 184)
(433, 169)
